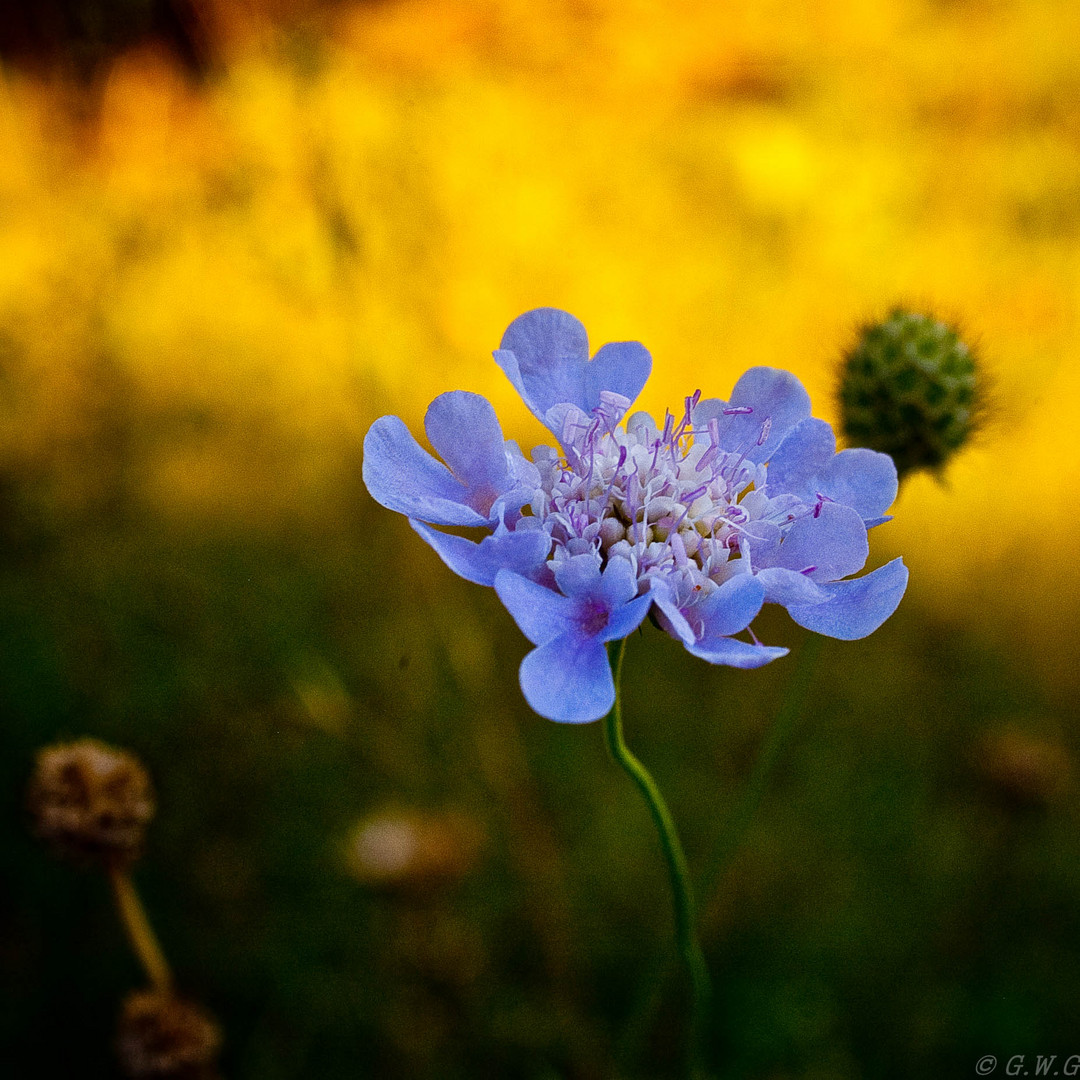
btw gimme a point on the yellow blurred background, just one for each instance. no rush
(340, 218)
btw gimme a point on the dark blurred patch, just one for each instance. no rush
(1022, 768)
(80, 36)
(1048, 215)
(754, 79)
(1006, 111)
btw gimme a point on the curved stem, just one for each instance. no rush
(139, 931)
(686, 936)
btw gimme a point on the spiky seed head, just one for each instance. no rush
(163, 1037)
(909, 387)
(91, 802)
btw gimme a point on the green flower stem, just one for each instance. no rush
(685, 929)
(738, 823)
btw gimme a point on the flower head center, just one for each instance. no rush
(667, 498)
(592, 617)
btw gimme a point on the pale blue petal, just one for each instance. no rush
(543, 353)
(619, 584)
(642, 424)
(520, 552)
(540, 613)
(521, 468)
(858, 607)
(626, 618)
(862, 479)
(731, 607)
(708, 409)
(785, 587)
(834, 543)
(465, 432)
(775, 396)
(795, 465)
(675, 620)
(736, 653)
(404, 477)
(806, 464)
(566, 421)
(505, 508)
(568, 680)
(762, 540)
(578, 575)
(620, 366)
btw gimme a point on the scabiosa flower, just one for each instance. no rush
(701, 519)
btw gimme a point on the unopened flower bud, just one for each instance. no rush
(91, 801)
(163, 1037)
(909, 387)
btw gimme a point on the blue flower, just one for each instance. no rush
(567, 676)
(724, 507)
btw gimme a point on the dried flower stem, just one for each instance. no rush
(686, 936)
(139, 931)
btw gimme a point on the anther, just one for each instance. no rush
(707, 458)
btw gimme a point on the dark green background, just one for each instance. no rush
(896, 909)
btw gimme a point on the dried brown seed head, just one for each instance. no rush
(163, 1037)
(91, 801)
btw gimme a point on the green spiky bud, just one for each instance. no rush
(909, 387)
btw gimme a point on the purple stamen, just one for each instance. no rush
(614, 477)
(687, 421)
(735, 468)
(766, 427)
(707, 458)
(737, 410)
(808, 570)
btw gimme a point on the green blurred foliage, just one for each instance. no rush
(902, 904)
